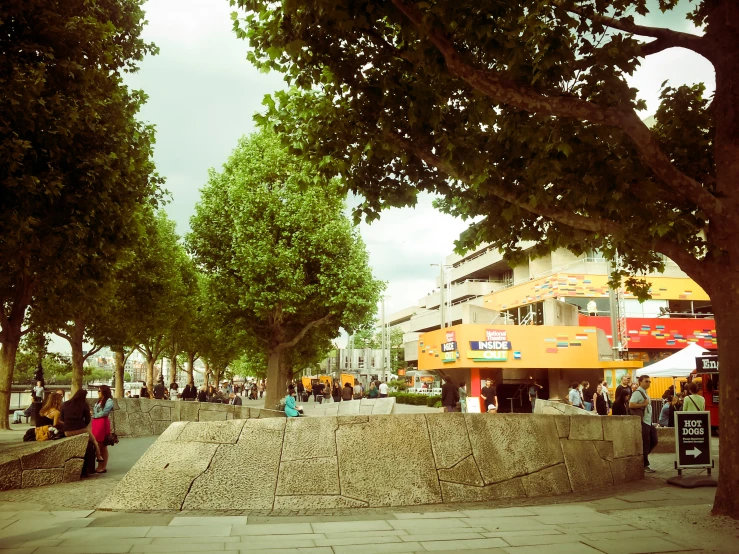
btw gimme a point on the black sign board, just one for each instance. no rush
(449, 346)
(706, 364)
(693, 439)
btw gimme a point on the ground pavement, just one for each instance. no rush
(638, 518)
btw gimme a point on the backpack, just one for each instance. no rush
(638, 411)
(30, 435)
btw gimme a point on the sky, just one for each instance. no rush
(202, 95)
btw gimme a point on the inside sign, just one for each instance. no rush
(693, 439)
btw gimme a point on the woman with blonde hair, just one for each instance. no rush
(50, 412)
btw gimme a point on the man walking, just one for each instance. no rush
(534, 389)
(625, 384)
(641, 405)
(489, 397)
(383, 390)
(449, 395)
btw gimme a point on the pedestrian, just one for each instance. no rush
(202, 394)
(128, 394)
(575, 397)
(159, 389)
(384, 389)
(37, 395)
(489, 396)
(189, 393)
(694, 402)
(347, 393)
(76, 418)
(291, 409)
(600, 404)
(373, 391)
(261, 389)
(591, 307)
(606, 394)
(641, 405)
(625, 384)
(449, 395)
(587, 395)
(144, 391)
(357, 390)
(318, 392)
(463, 397)
(234, 399)
(173, 390)
(101, 424)
(621, 403)
(50, 414)
(534, 389)
(667, 414)
(336, 392)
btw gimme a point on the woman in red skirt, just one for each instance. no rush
(101, 424)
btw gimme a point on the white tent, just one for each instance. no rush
(680, 364)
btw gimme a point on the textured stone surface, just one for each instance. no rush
(309, 477)
(627, 470)
(316, 502)
(349, 408)
(448, 438)
(351, 420)
(310, 437)
(53, 454)
(665, 441)
(625, 433)
(73, 470)
(563, 425)
(511, 445)
(212, 415)
(252, 464)
(454, 492)
(122, 427)
(11, 474)
(214, 407)
(547, 482)
(189, 411)
(159, 427)
(139, 423)
(605, 449)
(161, 413)
(41, 477)
(587, 470)
(583, 428)
(390, 443)
(365, 410)
(162, 477)
(241, 412)
(172, 433)
(549, 407)
(465, 472)
(269, 424)
(221, 432)
(383, 406)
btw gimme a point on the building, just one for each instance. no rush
(558, 290)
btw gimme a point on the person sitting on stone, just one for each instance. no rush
(291, 409)
(50, 413)
(18, 414)
(76, 417)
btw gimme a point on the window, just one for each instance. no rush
(680, 307)
(603, 304)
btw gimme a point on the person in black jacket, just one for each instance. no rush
(234, 399)
(75, 415)
(159, 389)
(188, 393)
(449, 395)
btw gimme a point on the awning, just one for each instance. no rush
(680, 364)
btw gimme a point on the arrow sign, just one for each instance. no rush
(693, 439)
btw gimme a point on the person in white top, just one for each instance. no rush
(592, 308)
(383, 390)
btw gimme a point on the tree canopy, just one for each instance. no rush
(521, 114)
(285, 263)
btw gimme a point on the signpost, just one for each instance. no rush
(693, 448)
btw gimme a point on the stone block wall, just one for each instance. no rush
(665, 441)
(137, 417)
(371, 461)
(552, 407)
(34, 464)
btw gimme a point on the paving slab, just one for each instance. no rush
(210, 531)
(501, 512)
(644, 545)
(358, 540)
(543, 540)
(272, 529)
(563, 548)
(200, 520)
(379, 548)
(457, 535)
(465, 544)
(428, 515)
(378, 525)
(431, 524)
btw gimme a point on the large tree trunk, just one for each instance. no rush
(77, 334)
(8, 351)
(120, 370)
(277, 380)
(173, 369)
(190, 364)
(206, 380)
(150, 360)
(726, 309)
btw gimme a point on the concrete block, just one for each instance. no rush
(189, 411)
(547, 482)
(386, 441)
(584, 428)
(627, 470)
(120, 419)
(563, 425)
(221, 432)
(449, 439)
(316, 502)
(73, 470)
(160, 413)
(159, 427)
(310, 437)
(212, 415)
(455, 492)
(587, 470)
(41, 477)
(625, 433)
(11, 472)
(52, 454)
(139, 423)
(465, 472)
(172, 432)
(511, 445)
(313, 476)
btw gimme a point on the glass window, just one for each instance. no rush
(602, 304)
(702, 307)
(679, 308)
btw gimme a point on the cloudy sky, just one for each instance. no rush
(203, 93)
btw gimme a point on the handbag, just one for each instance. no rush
(112, 438)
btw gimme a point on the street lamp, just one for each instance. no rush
(442, 308)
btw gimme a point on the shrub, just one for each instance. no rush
(431, 401)
(412, 399)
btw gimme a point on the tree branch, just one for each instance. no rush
(65, 336)
(504, 91)
(95, 350)
(667, 38)
(296, 339)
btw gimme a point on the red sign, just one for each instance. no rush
(660, 333)
(450, 336)
(495, 335)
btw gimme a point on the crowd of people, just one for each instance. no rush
(229, 393)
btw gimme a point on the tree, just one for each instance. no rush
(366, 338)
(75, 161)
(283, 259)
(520, 113)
